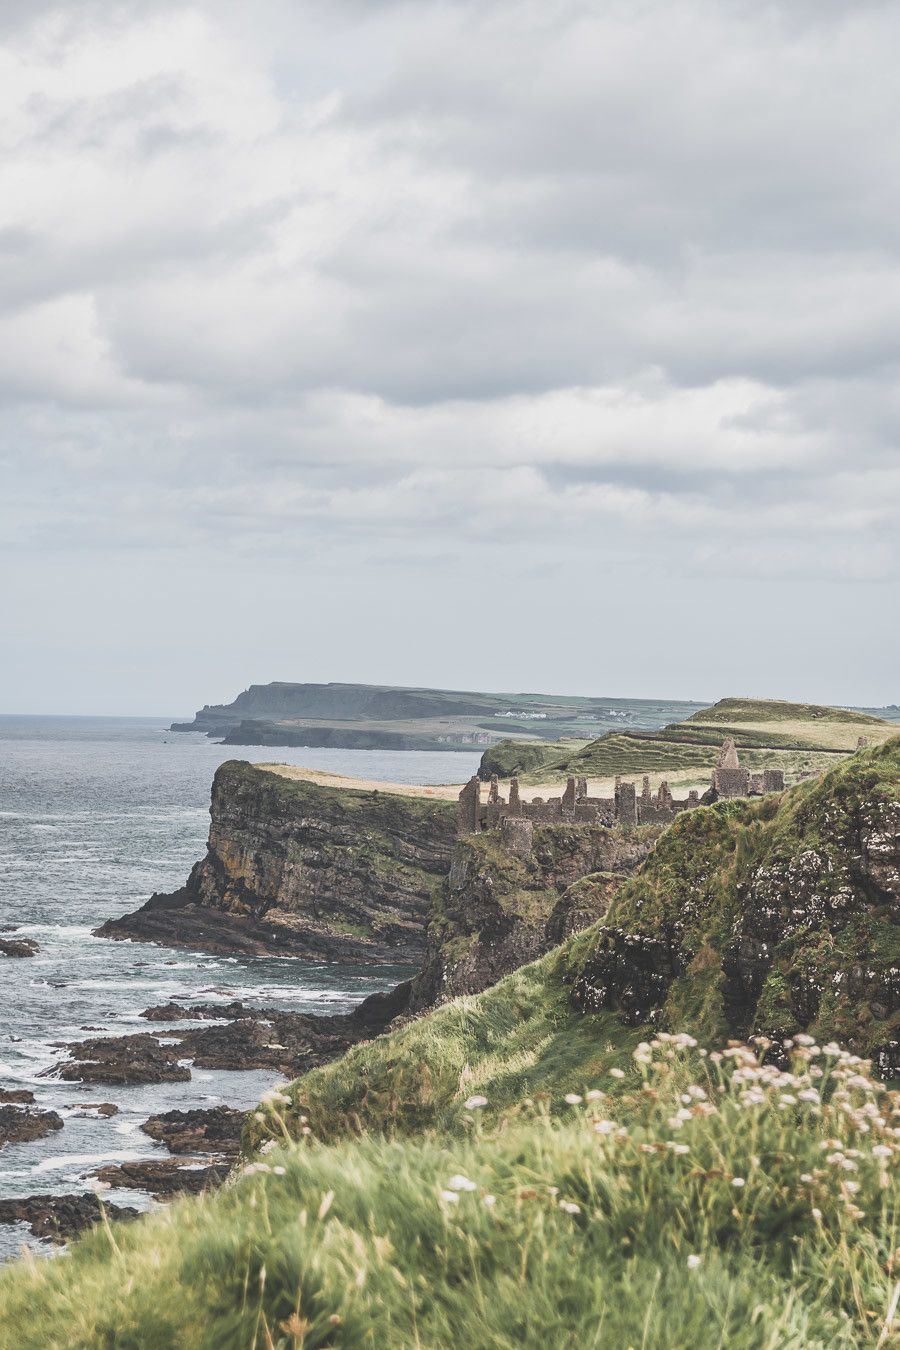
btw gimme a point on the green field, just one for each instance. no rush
(798, 738)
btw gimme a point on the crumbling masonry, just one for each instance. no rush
(516, 818)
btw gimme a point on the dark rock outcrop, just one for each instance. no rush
(165, 1178)
(244, 1038)
(55, 1218)
(215, 1130)
(18, 947)
(122, 1060)
(19, 1124)
(300, 869)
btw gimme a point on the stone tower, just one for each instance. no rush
(729, 778)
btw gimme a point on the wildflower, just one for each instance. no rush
(817, 1214)
(569, 1207)
(617, 1073)
(882, 1151)
(595, 1095)
(279, 1171)
(681, 1148)
(738, 1182)
(489, 1201)
(474, 1103)
(268, 1098)
(808, 1095)
(802, 1039)
(693, 1261)
(450, 1196)
(605, 1126)
(573, 1099)
(806, 1178)
(461, 1183)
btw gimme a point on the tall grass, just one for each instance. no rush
(686, 1202)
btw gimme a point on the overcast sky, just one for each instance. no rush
(496, 345)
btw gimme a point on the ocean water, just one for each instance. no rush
(95, 814)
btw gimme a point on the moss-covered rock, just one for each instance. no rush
(772, 916)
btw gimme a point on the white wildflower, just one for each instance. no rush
(450, 1196)
(461, 1183)
(693, 1261)
(475, 1103)
(617, 1073)
(573, 1099)
(569, 1207)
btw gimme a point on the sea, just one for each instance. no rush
(96, 814)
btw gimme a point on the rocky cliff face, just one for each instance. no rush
(771, 917)
(499, 911)
(310, 870)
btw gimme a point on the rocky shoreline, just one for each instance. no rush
(205, 1143)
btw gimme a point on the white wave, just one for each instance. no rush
(62, 929)
(83, 1160)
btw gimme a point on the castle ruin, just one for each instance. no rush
(516, 818)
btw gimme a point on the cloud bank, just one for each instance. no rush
(375, 333)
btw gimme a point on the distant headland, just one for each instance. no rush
(389, 717)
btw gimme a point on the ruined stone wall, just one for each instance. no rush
(729, 779)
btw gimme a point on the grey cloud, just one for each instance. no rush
(520, 290)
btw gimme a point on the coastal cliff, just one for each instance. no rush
(300, 869)
(499, 910)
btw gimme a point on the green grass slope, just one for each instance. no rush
(690, 1203)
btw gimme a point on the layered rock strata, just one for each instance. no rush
(305, 870)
